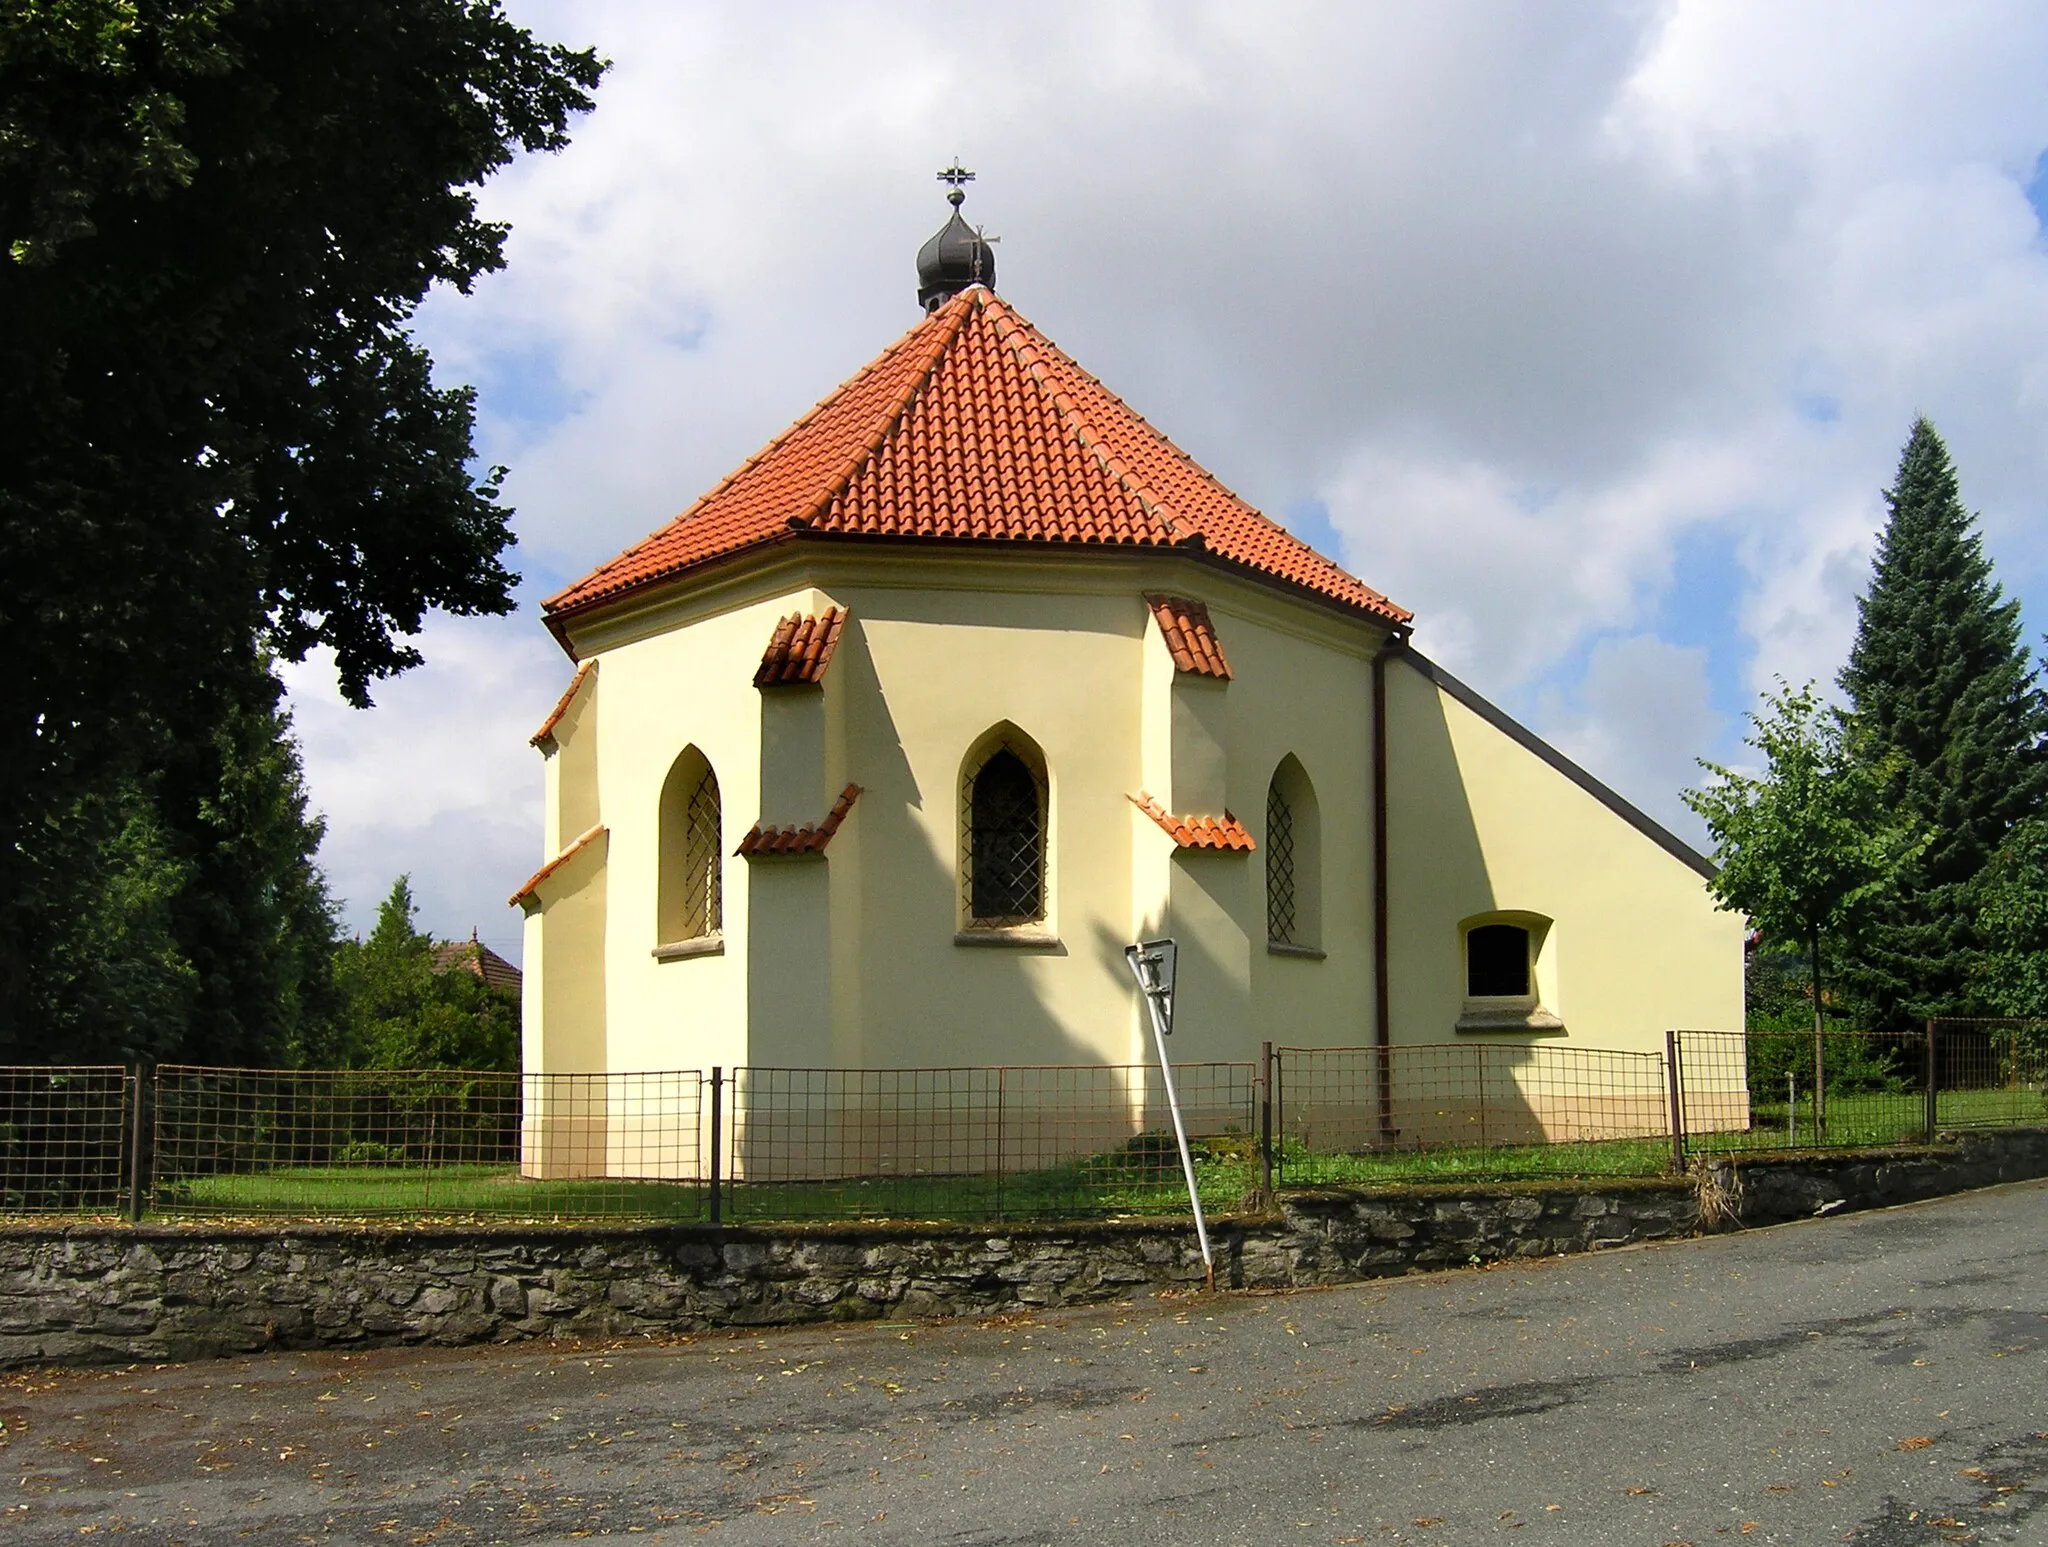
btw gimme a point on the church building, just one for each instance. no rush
(881, 753)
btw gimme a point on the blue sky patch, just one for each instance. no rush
(2037, 189)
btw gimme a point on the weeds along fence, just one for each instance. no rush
(971, 1143)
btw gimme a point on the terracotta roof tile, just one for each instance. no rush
(1196, 832)
(796, 842)
(525, 893)
(478, 960)
(801, 649)
(1190, 637)
(973, 427)
(547, 726)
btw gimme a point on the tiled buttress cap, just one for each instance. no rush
(1196, 832)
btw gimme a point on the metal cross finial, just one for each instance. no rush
(956, 175)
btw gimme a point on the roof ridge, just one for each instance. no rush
(1040, 341)
(892, 417)
(1007, 321)
(802, 422)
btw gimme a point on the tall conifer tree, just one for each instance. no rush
(1938, 676)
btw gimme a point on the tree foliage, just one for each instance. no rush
(181, 915)
(216, 220)
(1806, 848)
(404, 1014)
(1945, 700)
(2012, 923)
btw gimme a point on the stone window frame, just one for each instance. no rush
(1524, 1012)
(690, 861)
(1020, 928)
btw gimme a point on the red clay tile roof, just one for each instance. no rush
(478, 960)
(547, 726)
(801, 649)
(1190, 637)
(525, 893)
(1196, 832)
(791, 842)
(974, 427)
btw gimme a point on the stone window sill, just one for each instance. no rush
(703, 945)
(1024, 939)
(1512, 1017)
(1306, 952)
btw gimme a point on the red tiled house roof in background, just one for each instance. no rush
(1196, 832)
(479, 960)
(1189, 635)
(974, 427)
(800, 649)
(795, 842)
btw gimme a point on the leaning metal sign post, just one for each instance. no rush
(1152, 965)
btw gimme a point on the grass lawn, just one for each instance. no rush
(1876, 1119)
(1119, 1183)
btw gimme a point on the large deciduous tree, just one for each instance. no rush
(1945, 697)
(216, 219)
(1808, 846)
(180, 915)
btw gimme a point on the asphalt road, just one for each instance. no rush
(1881, 1378)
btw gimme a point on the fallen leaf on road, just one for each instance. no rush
(1637, 1493)
(1429, 1520)
(1916, 1442)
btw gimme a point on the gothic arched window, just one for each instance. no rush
(689, 904)
(1293, 860)
(1003, 842)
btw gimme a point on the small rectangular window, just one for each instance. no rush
(1497, 962)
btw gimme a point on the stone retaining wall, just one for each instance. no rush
(99, 1294)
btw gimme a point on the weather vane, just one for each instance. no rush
(956, 175)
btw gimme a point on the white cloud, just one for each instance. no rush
(1640, 721)
(1528, 297)
(437, 781)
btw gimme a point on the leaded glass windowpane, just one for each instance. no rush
(1282, 921)
(703, 906)
(1005, 847)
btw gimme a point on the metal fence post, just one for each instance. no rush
(1266, 1124)
(139, 1087)
(1002, 1080)
(717, 1138)
(1933, 1084)
(1675, 1088)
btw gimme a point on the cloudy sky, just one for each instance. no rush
(1591, 333)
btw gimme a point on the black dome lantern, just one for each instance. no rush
(957, 255)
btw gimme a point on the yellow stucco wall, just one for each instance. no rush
(854, 959)
(1481, 824)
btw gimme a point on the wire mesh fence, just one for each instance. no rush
(64, 1139)
(1762, 1091)
(1371, 1114)
(974, 1143)
(1990, 1073)
(1016, 1142)
(437, 1143)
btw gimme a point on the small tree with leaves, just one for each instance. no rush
(1808, 845)
(2012, 921)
